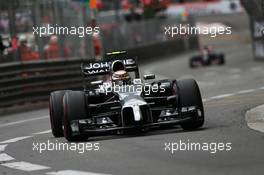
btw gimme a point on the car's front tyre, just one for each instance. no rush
(222, 59)
(189, 94)
(74, 107)
(56, 113)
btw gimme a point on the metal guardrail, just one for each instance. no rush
(22, 82)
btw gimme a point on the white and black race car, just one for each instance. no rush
(105, 108)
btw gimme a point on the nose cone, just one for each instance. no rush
(134, 102)
(137, 113)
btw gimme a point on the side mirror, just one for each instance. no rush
(149, 76)
(98, 82)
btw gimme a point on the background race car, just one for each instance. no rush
(206, 58)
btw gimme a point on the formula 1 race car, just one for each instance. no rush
(207, 58)
(123, 102)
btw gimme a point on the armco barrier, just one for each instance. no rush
(33, 81)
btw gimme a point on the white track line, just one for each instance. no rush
(42, 132)
(2, 148)
(25, 166)
(5, 157)
(255, 118)
(221, 96)
(246, 91)
(233, 94)
(15, 139)
(22, 121)
(72, 172)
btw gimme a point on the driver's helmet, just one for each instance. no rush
(207, 48)
(119, 75)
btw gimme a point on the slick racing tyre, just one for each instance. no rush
(194, 60)
(74, 109)
(56, 113)
(221, 59)
(189, 95)
(191, 64)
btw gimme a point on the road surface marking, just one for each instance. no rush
(232, 94)
(255, 118)
(246, 91)
(72, 172)
(2, 148)
(22, 121)
(15, 139)
(25, 166)
(221, 96)
(42, 132)
(5, 157)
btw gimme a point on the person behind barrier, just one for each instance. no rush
(25, 52)
(52, 50)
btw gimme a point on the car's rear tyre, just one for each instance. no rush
(191, 64)
(74, 106)
(56, 112)
(221, 59)
(189, 95)
(193, 60)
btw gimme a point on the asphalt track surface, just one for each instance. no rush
(228, 92)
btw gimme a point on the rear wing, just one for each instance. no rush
(93, 68)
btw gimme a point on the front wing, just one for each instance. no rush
(106, 126)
